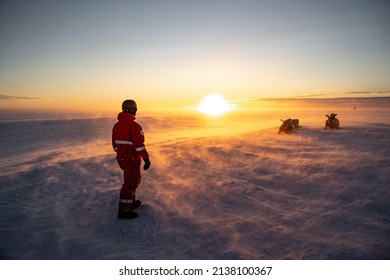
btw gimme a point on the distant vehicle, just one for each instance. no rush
(288, 126)
(332, 122)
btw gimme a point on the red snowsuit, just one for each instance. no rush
(128, 142)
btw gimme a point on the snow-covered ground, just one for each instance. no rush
(215, 190)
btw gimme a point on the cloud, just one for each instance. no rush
(368, 92)
(359, 92)
(25, 97)
(314, 95)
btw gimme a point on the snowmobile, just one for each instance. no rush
(295, 123)
(332, 122)
(288, 125)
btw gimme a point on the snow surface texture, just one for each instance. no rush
(256, 194)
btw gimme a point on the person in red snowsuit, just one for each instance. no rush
(128, 143)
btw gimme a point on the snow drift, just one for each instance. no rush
(250, 194)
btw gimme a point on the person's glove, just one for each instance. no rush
(147, 163)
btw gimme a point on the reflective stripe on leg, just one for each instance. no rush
(126, 201)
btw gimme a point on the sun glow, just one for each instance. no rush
(214, 105)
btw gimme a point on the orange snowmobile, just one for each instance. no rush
(288, 125)
(332, 122)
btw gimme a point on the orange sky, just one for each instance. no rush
(75, 56)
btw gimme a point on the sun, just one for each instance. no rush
(214, 105)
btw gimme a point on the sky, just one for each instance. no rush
(91, 55)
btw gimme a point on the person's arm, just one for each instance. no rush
(138, 142)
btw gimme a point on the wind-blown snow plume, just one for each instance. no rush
(256, 194)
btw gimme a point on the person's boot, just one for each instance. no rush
(136, 204)
(127, 215)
